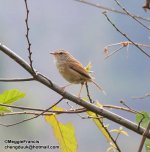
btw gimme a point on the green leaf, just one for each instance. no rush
(147, 145)
(11, 96)
(143, 119)
(64, 133)
(88, 67)
(5, 109)
(101, 127)
(120, 131)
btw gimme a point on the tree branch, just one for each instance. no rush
(100, 111)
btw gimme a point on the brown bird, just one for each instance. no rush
(72, 70)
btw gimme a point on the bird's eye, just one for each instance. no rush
(61, 53)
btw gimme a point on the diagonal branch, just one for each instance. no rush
(100, 111)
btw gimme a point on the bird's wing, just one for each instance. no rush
(79, 69)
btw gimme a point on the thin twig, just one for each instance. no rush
(117, 136)
(79, 110)
(119, 108)
(72, 108)
(132, 16)
(114, 52)
(91, 117)
(137, 112)
(9, 125)
(50, 112)
(27, 35)
(111, 10)
(142, 97)
(123, 34)
(123, 44)
(20, 107)
(88, 93)
(17, 79)
(144, 138)
(126, 43)
(25, 113)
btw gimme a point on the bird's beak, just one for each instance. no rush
(52, 53)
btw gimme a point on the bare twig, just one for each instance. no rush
(142, 97)
(120, 108)
(126, 43)
(137, 112)
(110, 54)
(111, 10)
(123, 34)
(144, 138)
(17, 79)
(9, 125)
(27, 35)
(50, 112)
(132, 16)
(91, 107)
(79, 110)
(25, 113)
(88, 93)
(22, 108)
(122, 45)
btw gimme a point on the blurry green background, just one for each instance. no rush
(84, 32)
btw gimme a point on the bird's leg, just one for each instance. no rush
(80, 89)
(63, 88)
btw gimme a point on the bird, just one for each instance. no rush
(72, 70)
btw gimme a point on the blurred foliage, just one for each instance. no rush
(144, 119)
(64, 133)
(9, 97)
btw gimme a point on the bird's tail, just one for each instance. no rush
(99, 87)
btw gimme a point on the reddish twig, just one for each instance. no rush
(122, 45)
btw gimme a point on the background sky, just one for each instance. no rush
(84, 32)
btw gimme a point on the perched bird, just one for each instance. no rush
(72, 70)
